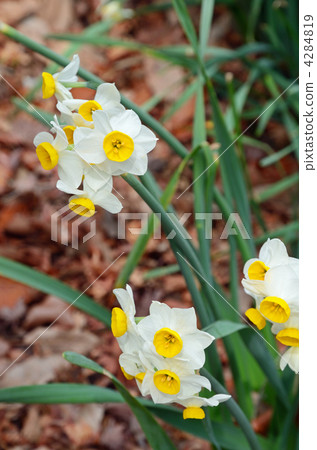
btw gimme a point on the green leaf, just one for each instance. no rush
(186, 22)
(276, 188)
(161, 272)
(59, 393)
(276, 156)
(156, 436)
(44, 283)
(206, 13)
(222, 328)
(83, 361)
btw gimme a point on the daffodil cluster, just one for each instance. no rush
(163, 352)
(92, 141)
(272, 280)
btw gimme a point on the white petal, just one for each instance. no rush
(193, 352)
(70, 71)
(113, 108)
(146, 139)
(136, 165)
(60, 141)
(127, 122)
(273, 253)
(101, 122)
(193, 384)
(41, 137)
(216, 399)
(185, 319)
(290, 357)
(61, 92)
(255, 288)
(90, 147)
(282, 281)
(162, 314)
(67, 188)
(126, 301)
(109, 202)
(107, 92)
(73, 104)
(70, 168)
(97, 179)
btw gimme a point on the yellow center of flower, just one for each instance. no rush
(193, 412)
(119, 325)
(87, 108)
(275, 309)
(256, 318)
(257, 270)
(167, 342)
(48, 85)
(289, 336)
(47, 155)
(82, 206)
(118, 146)
(140, 376)
(167, 382)
(69, 131)
(127, 376)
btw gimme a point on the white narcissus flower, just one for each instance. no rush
(193, 404)
(173, 332)
(281, 288)
(120, 141)
(52, 84)
(273, 254)
(84, 200)
(107, 98)
(288, 334)
(53, 152)
(123, 323)
(166, 379)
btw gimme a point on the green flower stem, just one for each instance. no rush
(77, 84)
(86, 75)
(235, 410)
